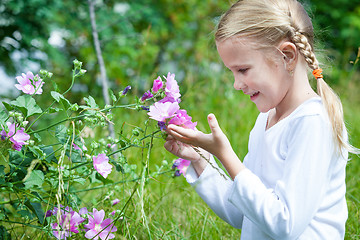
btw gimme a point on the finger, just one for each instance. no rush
(213, 124)
(168, 146)
(180, 131)
(180, 137)
(169, 138)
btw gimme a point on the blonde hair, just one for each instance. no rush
(269, 22)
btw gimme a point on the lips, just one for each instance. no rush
(254, 95)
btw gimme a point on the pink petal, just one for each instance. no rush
(105, 235)
(91, 234)
(29, 75)
(20, 136)
(99, 216)
(83, 211)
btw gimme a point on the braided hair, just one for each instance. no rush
(268, 22)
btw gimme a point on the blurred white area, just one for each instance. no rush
(6, 84)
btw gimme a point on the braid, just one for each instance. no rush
(330, 99)
(305, 49)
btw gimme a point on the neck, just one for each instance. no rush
(299, 92)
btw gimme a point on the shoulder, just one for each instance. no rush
(310, 112)
(310, 120)
(311, 107)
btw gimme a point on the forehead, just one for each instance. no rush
(237, 50)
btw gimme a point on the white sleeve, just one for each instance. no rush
(285, 212)
(214, 189)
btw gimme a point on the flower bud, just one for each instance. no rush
(110, 116)
(45, 74)
(81, 72)
(24, 123)
(95, 145)
(135, 132)
(74, 107)
(31, 143)
(77, 64)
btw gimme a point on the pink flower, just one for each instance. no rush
(158, 84)
(83, 211)
(76, 147)
(160, 111)
(172, 88)
(181, 118)
(102, 165)
(69, 222)
(181, 165)
(98, 227)
(115, 201)
(29, 84)
(16, 136)
(170, 99)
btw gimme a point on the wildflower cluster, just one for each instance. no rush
(167, 110)
(68, 222)
(46, 158)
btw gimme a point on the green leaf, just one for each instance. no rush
(38, 153)
(112, 95)
(54, 110)
(50, 156)
(90, 101)
(61, 133)
(60, 98)
(36, 209)
(3, 117)
(8, 106)
(26, 105)
(2, 174)
(3, 232)
(36, 178)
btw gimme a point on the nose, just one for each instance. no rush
(238, 84)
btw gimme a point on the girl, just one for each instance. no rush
(291, 184)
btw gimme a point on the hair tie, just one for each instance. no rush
(317, 73)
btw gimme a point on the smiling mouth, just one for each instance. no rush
(254, 95)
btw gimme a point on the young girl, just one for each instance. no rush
(291, 184)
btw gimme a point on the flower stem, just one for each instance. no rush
(208, 160)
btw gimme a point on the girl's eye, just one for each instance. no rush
(243, 70)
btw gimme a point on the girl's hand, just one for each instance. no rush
(187, 152)
(215, 143)
(182, 150)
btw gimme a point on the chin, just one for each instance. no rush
(263, 109)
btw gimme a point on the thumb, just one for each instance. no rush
(213, 124)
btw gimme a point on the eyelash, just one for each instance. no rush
(243, 70)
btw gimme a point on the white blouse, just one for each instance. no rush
(293, 186)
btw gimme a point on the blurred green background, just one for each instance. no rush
(142, 39)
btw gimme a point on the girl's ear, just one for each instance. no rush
(290, 54)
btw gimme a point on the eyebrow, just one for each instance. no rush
(240, 66)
